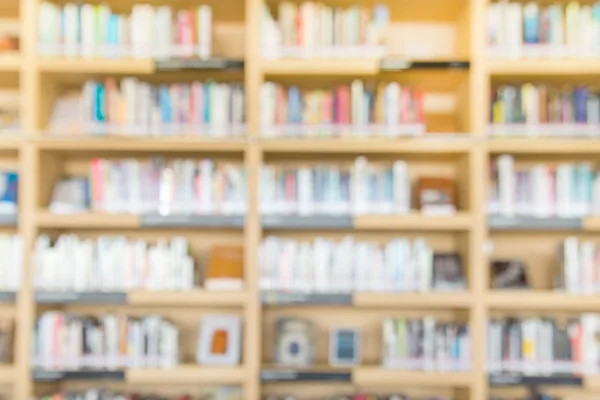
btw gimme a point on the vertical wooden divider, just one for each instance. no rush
(478, 93)
(252, 232)
(28, 194)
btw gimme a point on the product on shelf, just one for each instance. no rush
(219, 393)
(311, 29)
(344, 347)
(11, 264)
(543, 190)
(113, 264)
(294, 344)
(361, 188)
(94, 31)
(360, 396)
(225, 268)
(426, 344)
(350, 265)
(134, 107)
(544, 345)
(533, 30)
(545, 110)
(579, 271)
(360, 109)
(437, 195)
(108, 342)
(6, 341)
(9, 35)
(509, 274)
(219, 341)
(180, 186)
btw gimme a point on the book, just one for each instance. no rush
(216, 393)
(309, 29)
(144, 31)
(67, 341)
(132, 107)
(363, 109)
(509, 274)
(225, 268)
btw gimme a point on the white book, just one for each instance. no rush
(71, 30)
(88, 31)
(514, 29)
(506, 185)
(401, 190)
(358, 195)
(204, 31)
(587, 252)
(356, 92)
(392, 104)
(268, 94)
(571, 265)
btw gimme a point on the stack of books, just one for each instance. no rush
(220, 393)
(426, 344)
(182, 186)
(11, 267)
(360, 188)
(531, 30)
(109, 342)
(580, 267)
(134, 107)
(346, 266)
(95, 31)
(313, 29)
(545, 110)
(566, 190)
(361, 109)
(112, 264)
(540, 345)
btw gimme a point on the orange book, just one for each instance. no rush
(225, 268)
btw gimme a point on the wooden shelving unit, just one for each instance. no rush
(467, 231)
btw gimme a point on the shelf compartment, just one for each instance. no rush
(459, 222)
(186, 374)
(426, 145)
(439, 300)
(378, 376)
(8, 374)
(541, 301)
(143, 143)
(95, 66)
(46, 219)
(187, 298)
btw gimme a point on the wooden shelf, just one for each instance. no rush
(336, 67)
(564, 67)
(438, 300)
(459, 222)
(10, 62)
(143, 143)
(202, 298)
(95, 66)
(366, 146)
(541, 301)
(186, 374)
(378, 376)
(46, 219)
(8, 374)
(543, 145)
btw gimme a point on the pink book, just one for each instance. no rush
(344, 105)
(327, 108)
(405, 106)
(97, 189)
(418, 103)
(290, 187)
(187, 28)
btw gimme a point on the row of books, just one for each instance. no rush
(336, 189)
(65, 341)
(540, 345)
(329, 266)
(539, 109)
(312, 29)
(526, 30)
(11, 264)
(134, 107)
(95, 31)
(218, 393)
(119, 264)
(361, 109)
(565, 190)
(360, 396)
(426, 344)
(580, 267)
(155, 186)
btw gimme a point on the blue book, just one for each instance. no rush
(100, 103)
(580, 96)
(164, 99)
(113, 30)
(294, 105)
(10, 187)
(207, 89)
(531, 23)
